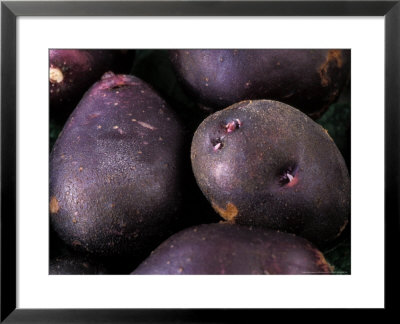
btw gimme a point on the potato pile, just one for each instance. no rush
(199, 161)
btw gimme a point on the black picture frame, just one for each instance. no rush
(10, 10)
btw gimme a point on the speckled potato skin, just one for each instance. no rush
(115, 180)
(309, 80)
(80, 69)
(74, 265)
(224, 248)
(246, 177)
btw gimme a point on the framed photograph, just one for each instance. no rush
(336, 61)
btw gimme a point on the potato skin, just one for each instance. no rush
(224, 248)
(73, 71)
(115, 180)
(245, 176)
(309, 80)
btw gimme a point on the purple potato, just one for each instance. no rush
(225, 248)
(115, 170)
(267, 164)
(73, 71)
(308, 79)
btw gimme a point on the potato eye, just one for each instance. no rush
(233, 125)
(287, 175)
(217, 143)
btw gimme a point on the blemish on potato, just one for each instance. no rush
(229, 213)
(321, 262)
(334, 57)
(146, 125)
(95, 115)
(56, 75)
(54, 206)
